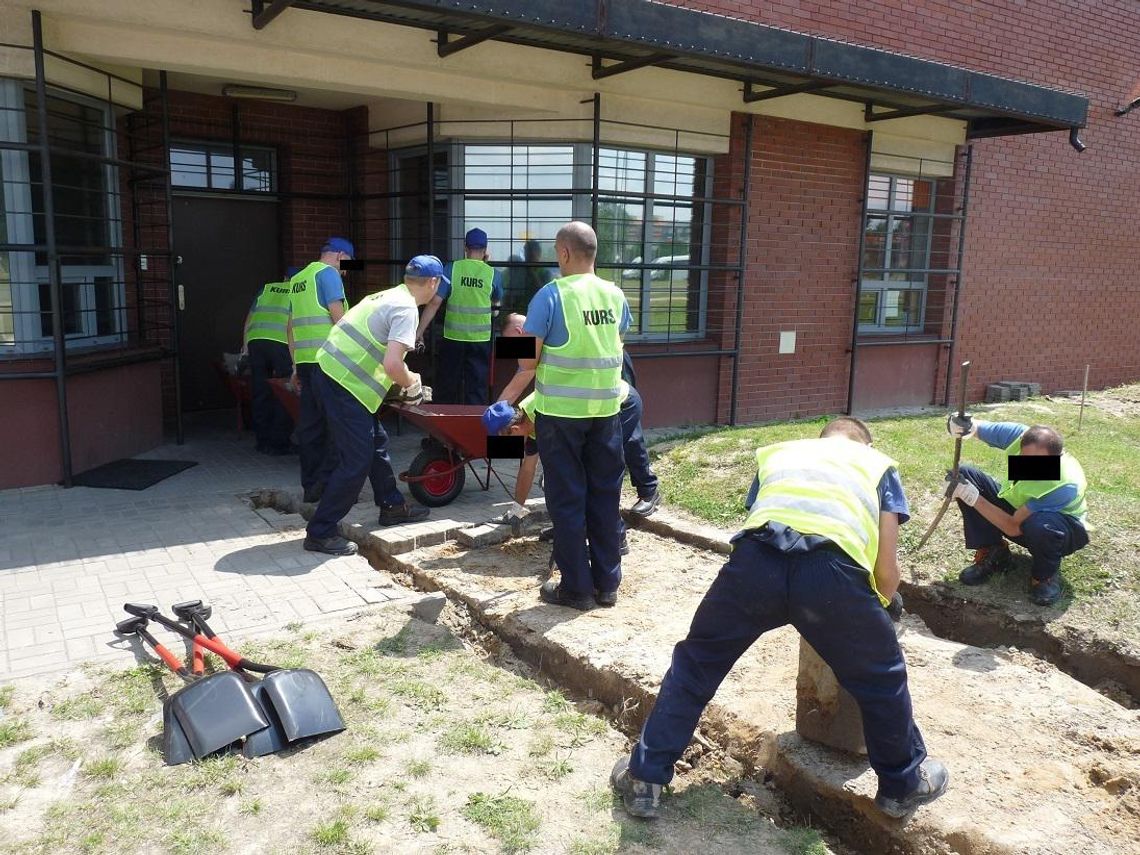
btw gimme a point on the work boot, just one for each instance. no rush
(551, 592)
(639, 797)
(606, 599)
(932, 781)
(400, 514)
(335, 545)
(987, 561)
(646, 506)
(547, 534)
(623, 548)
(313, 494)
(1045, 592)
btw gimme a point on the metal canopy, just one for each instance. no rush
(632, 34)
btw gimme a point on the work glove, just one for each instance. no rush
(427, 394)
(895, 608)
(420, 345)
(960, 427)
(962, 490)
(517, 511)
(414, 392)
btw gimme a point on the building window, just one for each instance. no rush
(652, 239)
(86, 223)
(896, 254)
(210, 166)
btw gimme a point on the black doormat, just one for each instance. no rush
(127, 474)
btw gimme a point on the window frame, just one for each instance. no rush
(880, 283)
(26, 274)
(224, 147)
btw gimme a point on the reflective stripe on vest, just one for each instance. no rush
(468, 314)
(582, 378)
(527, 405)
(311, 321)
(353, 358)
(1018, 493)
(825, 487)
(270, 314)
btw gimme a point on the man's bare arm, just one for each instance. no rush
(522, 378)
(887, 562)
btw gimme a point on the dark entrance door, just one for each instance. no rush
(229, 249)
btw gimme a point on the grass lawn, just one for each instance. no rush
(709, 476)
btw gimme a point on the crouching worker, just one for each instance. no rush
(1049, 518)
(504, 420)
(362, 359)
(818, 551)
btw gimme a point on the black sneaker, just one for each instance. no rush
(313, 494)
(606, 599)
(932, 781)
(547, 534)
(335, 545)
(623, 548)
(639, 797)
(551, 592)
(987, 561)
(646, 506)
(1045, 592)
(400, 514)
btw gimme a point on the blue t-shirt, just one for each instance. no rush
(444, 289)
(544, 317)
(330, 286)
(1002, 435)
(892, 500)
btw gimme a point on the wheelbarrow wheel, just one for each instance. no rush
(440, 487)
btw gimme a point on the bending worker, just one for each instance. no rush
(317, 302)
(1049, 518)
(473, 295)
(818, 551)
(577, 321)
(634, 452)
(266, 340)
(359, 364)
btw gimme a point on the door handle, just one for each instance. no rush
(181, 298)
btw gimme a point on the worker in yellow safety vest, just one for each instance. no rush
(473, 298)
(266, 343)
(316, 303)
(357, 366)
(818, 551)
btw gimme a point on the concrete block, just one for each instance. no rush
(394, 542)
(825, 711)
(429, 608)
(483, 535)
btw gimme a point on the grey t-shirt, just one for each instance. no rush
(396, 319)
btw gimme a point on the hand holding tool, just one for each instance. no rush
(961, 489)
(960, 427)
(957, 457)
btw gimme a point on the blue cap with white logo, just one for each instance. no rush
(339, 244)
(498, 417)
(475, 239)
(426, 265)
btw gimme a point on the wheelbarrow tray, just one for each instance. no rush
(289, 399)
(458, 426)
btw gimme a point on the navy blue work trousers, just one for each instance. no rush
(462, 372)
(633, 446)
(362, 453)
(825, 596)
(1048, 536)
(583, 470)
(271, 424)
(318, 457)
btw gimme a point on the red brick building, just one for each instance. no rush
(812, 207)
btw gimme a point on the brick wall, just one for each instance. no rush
(1050, 284)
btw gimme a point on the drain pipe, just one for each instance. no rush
(1075, 141)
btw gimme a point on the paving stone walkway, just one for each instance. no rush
(69, 559)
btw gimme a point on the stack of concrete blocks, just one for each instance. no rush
(1011, 390)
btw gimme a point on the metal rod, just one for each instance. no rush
(55, 286)
(600, 71)
(596, 149)
(1084, 391)
(869, 114)
(235, 142)
(745, 192)
(859, 271)
(136, 232)
(751, 96)
(958, 279)
(175, 320)
(446, 48)
(431, 176)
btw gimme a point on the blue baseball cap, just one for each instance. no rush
(498, 417)
(476, 239)
(290, 272)
(426, 265)
(339, 244)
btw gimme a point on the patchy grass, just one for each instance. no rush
(514, 822)
(804, 841)
(6, 695)
(419, 768)
(328, 835)
(709, 477)
(87, 705)
(15, 731)
(105, 768)
(361, 755)
(469, 738)
(422, 815)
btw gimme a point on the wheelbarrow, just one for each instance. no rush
(290, 400)
(438, 473)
